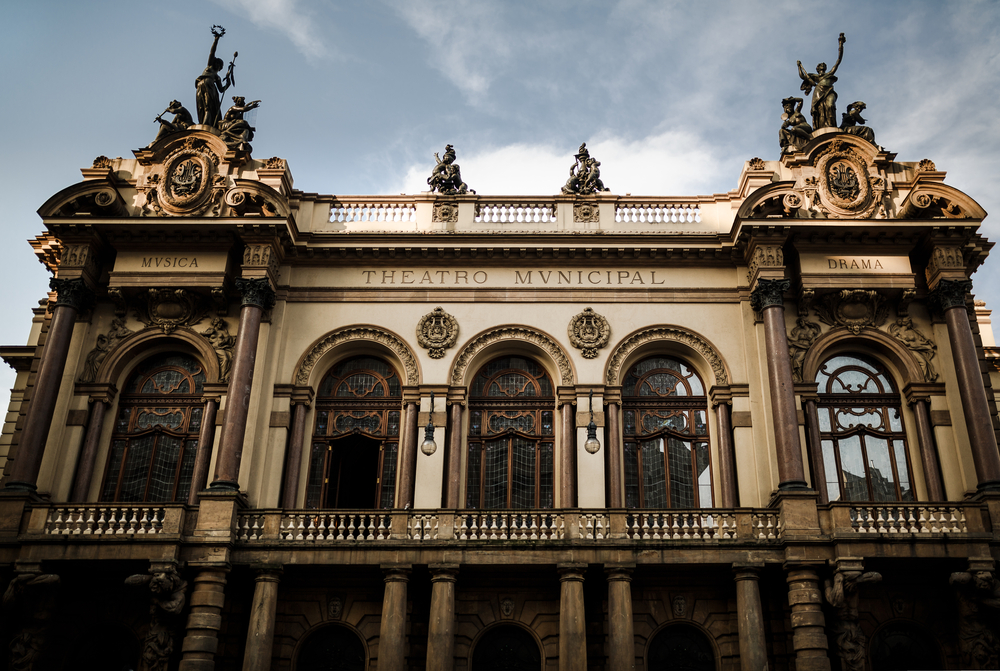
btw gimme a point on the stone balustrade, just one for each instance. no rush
(382, 209)
(107, 520)
(893, 519)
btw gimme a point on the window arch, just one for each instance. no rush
(356, 436)
(861, 431)
(506, 647)
(511, 436)
(666, 440)
(332, 648)
(155, 436)
(680, 647)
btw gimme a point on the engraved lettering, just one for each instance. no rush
(426, 277)
(637, 278)
(406, 274)
(653, 280)
(545, 278)
(147, 262)
(866, 263)
(590, 276)
(878, 264)
(522, 279)
(475, 277)
(194, 262)
(568, 276)
(623, 275)
(390, 275)
(832, 263)
(441, 274)
(462, 275)
(368, 273)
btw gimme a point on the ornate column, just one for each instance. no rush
(919, 400)
(204, 621)
(949, 297)
(392, 632)
(260, 637)
(257, 297)
(613, 453)
(301, 400)
(100, 399)
(441, 630)
(408, 456)
(842, 594)
(567, 456)
(767, 299)
(750, 617)
(808, 624)
(453, 464)
(722, 401)
(72, 297)
(621, 633)
(206, 441)
(572, 620)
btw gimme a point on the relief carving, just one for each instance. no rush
(766, 256)
(854, 309)
(978, 595)
(769, 293)
(260, 255)
(926, 165)
(945, 258)
(167, 599)
(335, 608)
(105, 345)
(506, 607)
(188, 184)
(522, 334)
(445, 212)
(437, 331)
(661, 333)
(842, 594)
(30, 603)
(218, 336)
(274, 163)
(803, 335)
(73, 293)
(950, 294)
(368, 333)
(925, 349)
(103, 162)
(757, 163)
(842, 187)
(589, 331)
(168, 309)
(586, 213)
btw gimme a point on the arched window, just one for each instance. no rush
(356, 439)
(156, 433)
(667, 462)
(506, 648)
(510, 436)
(331, 648)
(861, 431)
(680, 647)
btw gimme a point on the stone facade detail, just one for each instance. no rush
(842, 594)
(843, 187)
(923, 347)
(367, 333)
(437, 331)
(854, 309)
(945, 258)
(73, 293)
(167, 599)
(766, 256)
(168, 309)
(950, 294)
(589, 331)
(187, 185)
(106, 343)
(768, 293)
(223, 343)
(586, 213)
(802, 337)
(445, 212)
(692, 340)
(519, 333)
(256, 292)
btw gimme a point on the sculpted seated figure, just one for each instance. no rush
(236, 132)
(795, 130)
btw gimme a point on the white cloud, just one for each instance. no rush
(286, 17)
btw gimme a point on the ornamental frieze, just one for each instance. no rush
(106, 343)
(363, 333)
(517, 333)
(666, 333)
(168, 309)
(589, 331)
(855, 309)
(437, 331)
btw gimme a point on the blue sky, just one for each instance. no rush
(671, 97)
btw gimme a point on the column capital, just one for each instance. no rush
(268, 572)
(396, 573)
(98, 392)
(72, 293)
(443, 572)
(747, 571)
(949, 294)
(622, 572)
(256, 292)
(769, 293)
(571, 572)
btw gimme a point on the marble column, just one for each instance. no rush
(260, 637)
(767, 299)
(91, 444)
(408, 458)
(293, 457)
(392, 631)
(949, 296)
(453, 476)
(201, 640)
(815, 445)
(72, 297)
(621, 632)
(572, 619)
(928, 451)
(613, 458)
(441, 629)
(257, 297)
(567, 461)
(750, 619)
(203, 459)
(809, 640)
(727, 455)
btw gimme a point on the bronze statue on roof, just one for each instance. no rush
(584, 174)
(824, 99)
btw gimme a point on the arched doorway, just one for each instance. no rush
(506, 648)
(332, 648)
(903, 645)
(680, 647)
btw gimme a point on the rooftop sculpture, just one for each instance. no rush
(824, 100)
(584, 174)
(446, 178)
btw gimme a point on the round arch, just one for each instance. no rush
(515, 339)
(689, 345)
(140, 345)
(310, 638)
(492, 630)
(356, 341)
(901, 361)
(657, 638)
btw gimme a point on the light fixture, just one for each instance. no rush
(592, 445)
(429, 447)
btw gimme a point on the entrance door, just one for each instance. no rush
(353, 478)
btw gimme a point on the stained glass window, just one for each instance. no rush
(155, 436)
(861, 432)
(666, 441)
(511, 436)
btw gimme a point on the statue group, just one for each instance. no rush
(233, 127)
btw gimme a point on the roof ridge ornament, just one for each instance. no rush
(584, 175)
(446, 178)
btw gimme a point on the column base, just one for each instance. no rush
(794, 485)
(13, 486)
(988, 487)
(224, 486)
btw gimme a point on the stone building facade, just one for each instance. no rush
(260, 428)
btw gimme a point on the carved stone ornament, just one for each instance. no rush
(446, 178)
(679, 606)
(766, 256)
(844, 189)
(842, 594)
(586, 213)
(945, 258)
(437, 331)
(926, 165)
(223, 343)
(29, 605)
(106, 343)
(168, 309)
(103, 162)
(366, 333)
(445, 212)
(769, 293)
(167, 599)
(257, 293)
(72, 293)
(517, 333)
(905, 332)
(757, 163)
(855, 309)
(79, 256)
(803, 335)
(589, 331)
(245, 202)
(978, 595)
(260, 256)
(506, 607)
(274, 163)
(950, 294)
(188, 184)
(661, 333)
(335, 608)
(584, 174)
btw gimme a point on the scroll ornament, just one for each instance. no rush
(437, 331)
(589, 331)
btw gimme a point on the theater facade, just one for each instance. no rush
(260, 428)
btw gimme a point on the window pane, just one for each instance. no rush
(824, 419)
(880, 469)
(114, 466)
(895, 420)
(704, 476)
(654, 476)
(161, 482)
(472, 484)
(522, 493)
(830, 466)
(140, 454)
(631, 456)
(388, 479)
(187, 469)
(853, 468)
(314, 486)
(546, 477)
(906, 492)
(681, 476)
(495, 474)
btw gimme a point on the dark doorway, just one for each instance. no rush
(506, 648)
(353, 478)
(902, 645)
(332, 648)
(681, 647)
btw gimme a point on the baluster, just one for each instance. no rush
(890, 514)
(635, 527)
(474, 535)
(381, 528)
(935, 517)
(301, 528)
(58, 522)
(600, 527)
(78, 522)
(961, 514)
(101, 525)
(869, 521)
(686, 528)
(463, 530)
(589, 527)
(256, 530)
(911, 523)
(133, 522)
(370, 526)
(645, 525)
(952, 521)
(534, 528)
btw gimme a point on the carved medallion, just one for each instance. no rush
(188, 183)
(589, 331)
(170, 308)
(679, 606)
(506, 607)
(335, 608)
(844, 188)
(586, 213)
(437, 331)
(445, 212)
(854, 309)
